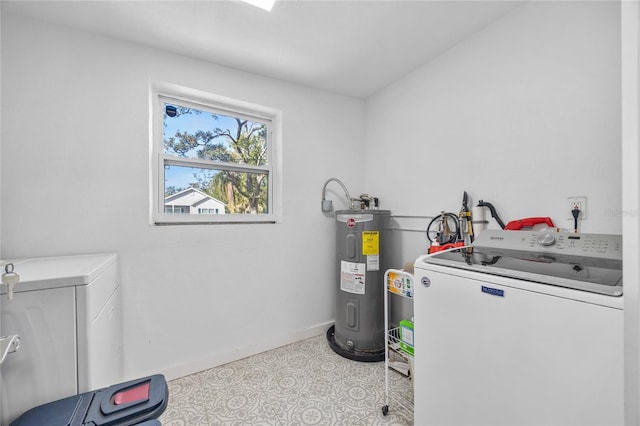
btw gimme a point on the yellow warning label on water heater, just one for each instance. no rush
(370, 243)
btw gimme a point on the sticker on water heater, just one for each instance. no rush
(426, 282)
(373, 263)
(370, 243)
(352, 277)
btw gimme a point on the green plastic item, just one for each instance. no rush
(406, 336)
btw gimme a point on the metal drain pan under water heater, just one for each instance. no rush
(361, 258)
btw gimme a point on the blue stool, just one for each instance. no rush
(137, 402)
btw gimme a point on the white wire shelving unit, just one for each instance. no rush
(400, 402)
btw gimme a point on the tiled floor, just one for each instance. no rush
(304, 383)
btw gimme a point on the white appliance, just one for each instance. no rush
(67, 311)
(524, 328)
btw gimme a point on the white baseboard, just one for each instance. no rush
(206, 363)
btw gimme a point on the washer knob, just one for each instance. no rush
(546, 239)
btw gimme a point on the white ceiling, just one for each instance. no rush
(353, 47)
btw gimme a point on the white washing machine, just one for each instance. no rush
(524, 328)
(68, 313)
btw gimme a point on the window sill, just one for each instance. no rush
(228, 220)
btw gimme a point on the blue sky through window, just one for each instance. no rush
(183, 177)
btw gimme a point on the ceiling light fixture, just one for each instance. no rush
(262, 4)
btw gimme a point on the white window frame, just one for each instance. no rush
(160, 92)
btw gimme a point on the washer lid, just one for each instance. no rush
(602, 276)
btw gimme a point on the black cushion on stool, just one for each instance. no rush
(99, 408)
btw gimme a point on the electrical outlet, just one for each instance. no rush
(580, 203)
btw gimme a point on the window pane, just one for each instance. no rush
(194, 133)
(212, 191)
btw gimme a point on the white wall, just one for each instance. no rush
(75, 170)
(0, 129)
(0, 174)
(522, 114)
(630, 13)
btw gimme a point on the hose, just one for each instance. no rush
(494, 213)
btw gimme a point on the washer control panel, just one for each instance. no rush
(604, 246)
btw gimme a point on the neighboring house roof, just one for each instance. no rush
(206, 201)
(191, 197)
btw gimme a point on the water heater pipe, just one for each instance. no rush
(327, 205)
